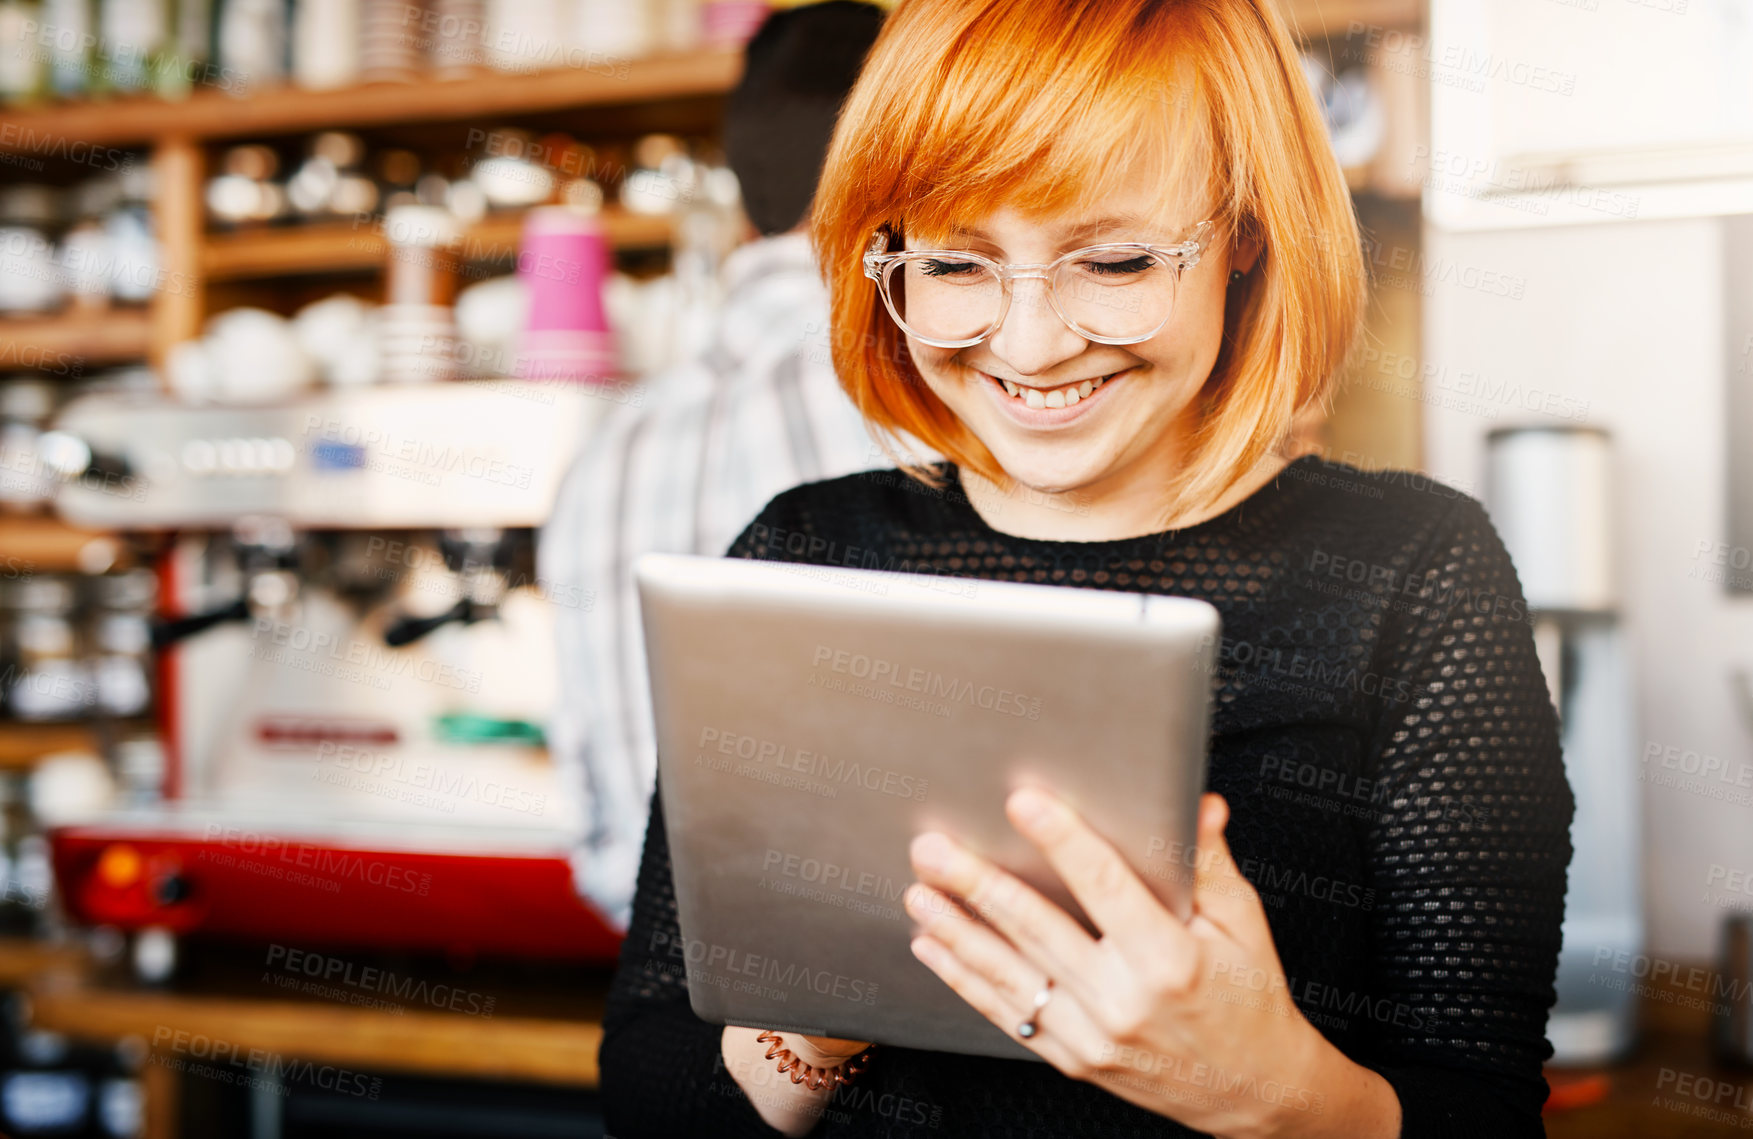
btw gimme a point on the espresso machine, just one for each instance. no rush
(355, 662)
(1550, 492)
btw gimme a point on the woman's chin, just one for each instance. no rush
(1052, 474)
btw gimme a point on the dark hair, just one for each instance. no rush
(799, 69)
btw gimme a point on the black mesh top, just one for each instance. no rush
(1390, 755)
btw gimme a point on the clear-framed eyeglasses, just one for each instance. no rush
(1121, 292)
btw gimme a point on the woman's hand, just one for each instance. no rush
(1192, 1020)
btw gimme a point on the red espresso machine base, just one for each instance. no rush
(207, 877)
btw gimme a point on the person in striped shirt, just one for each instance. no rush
(757, 412)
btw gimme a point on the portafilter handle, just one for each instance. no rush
(69, 457)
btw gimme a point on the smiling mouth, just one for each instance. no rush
(1065, 395)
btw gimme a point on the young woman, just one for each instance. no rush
(1098, 254)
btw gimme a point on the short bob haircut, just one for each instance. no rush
(967, 106)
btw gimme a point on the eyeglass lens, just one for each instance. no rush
(1111, 293)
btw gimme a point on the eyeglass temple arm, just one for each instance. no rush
(874, 252)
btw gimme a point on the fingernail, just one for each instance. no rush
(917, 900)
(932, 852)
(925, 949)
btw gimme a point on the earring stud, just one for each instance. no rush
(1236, 276)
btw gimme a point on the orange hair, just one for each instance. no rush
(966, 106)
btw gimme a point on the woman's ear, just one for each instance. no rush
(1244, 254)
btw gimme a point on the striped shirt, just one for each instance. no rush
(759, 412)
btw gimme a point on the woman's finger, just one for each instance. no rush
(1045, 934)
(976, 945)
(1050, 1041)
(1221, 894)
(1110, 891)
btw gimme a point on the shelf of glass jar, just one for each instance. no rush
(343, 246)
(430, 93)
(214, 114)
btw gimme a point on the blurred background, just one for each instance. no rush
(307, 305)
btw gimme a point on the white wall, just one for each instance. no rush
(1627, 314)
(1629, 320)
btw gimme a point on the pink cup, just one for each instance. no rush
(564, 264)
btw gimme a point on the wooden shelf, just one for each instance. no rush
(528, 1049)
(42, 544)
(22, 745)
(486, 97)
(143, 120)
(331, 247)
(24, 960)
(73, 341)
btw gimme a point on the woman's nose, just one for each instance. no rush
(1032, 339)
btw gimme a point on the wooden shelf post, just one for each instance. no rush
(179, 306)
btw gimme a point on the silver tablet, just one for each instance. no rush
(811, 720)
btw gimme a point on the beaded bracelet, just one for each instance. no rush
(812, 1077)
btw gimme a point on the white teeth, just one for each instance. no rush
(1058, 397)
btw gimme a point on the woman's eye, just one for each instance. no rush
(939, 267)
(1128, 267)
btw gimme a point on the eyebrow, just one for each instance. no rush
(1067, 233)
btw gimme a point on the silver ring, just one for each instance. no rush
(1031, 1026)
